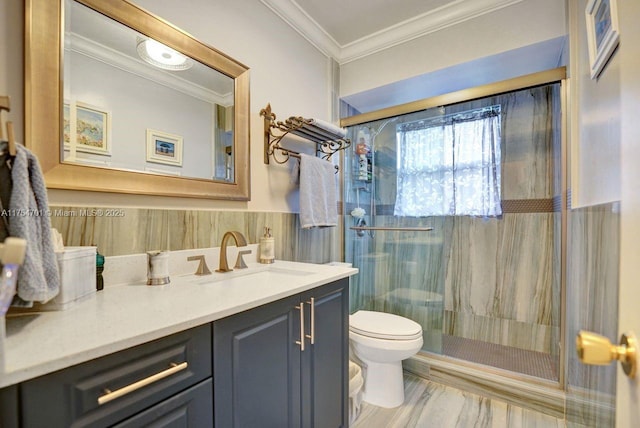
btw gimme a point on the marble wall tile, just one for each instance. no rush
(429, 314)
(137, 230)
(504, 271)
(495, 277)
(472, 266)
(558, 284)
(123, 231)
(523, 335)
(528, 136)
(526, 264)
(367, 285)
(592, 302)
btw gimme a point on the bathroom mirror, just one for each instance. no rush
(140, 126)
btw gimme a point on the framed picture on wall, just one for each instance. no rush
(603, 33)
(92, 125)
(66, 124)
(164, 148)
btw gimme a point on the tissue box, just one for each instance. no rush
(77, 266)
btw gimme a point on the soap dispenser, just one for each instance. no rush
(267, 247)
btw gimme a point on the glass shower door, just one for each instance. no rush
(399, 258)
(485, 282)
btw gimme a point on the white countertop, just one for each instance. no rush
(123, 316)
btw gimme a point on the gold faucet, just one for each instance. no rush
(240, 242)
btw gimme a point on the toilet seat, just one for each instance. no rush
(380, 325)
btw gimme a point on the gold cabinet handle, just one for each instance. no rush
(598, 350)
(312, 336)
(112, 395)
(301, 341)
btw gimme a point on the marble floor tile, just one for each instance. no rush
(429, 404)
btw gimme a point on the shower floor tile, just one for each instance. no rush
(517, 360)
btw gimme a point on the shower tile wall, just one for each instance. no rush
(137, 230)
(503, 274)
(592, 302)
(495, 280)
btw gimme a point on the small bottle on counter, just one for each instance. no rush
(99, 269)
(267, 247)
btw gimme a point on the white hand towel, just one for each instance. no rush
(39, 279)
(327, 126)
(318, 206)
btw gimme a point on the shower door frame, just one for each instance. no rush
(556, 75)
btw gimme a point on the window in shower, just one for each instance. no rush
(485, 283)
(450, 165)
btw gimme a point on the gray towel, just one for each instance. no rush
(38, 278)
(318, 207)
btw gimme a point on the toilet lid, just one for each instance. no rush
(384, 326)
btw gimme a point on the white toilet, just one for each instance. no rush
(381, 341)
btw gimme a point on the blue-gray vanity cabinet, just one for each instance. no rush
(148, 375)
(9, 407)
(190, 408)
(263, 377)
(325, 368)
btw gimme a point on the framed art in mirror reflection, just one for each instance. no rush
(164, 148)
(92, 126)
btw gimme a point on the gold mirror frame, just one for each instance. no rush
(44, 101)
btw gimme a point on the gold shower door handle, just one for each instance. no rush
(598, 350)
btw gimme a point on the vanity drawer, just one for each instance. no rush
(137, 378)
(190, 408)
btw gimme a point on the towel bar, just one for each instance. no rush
(395, 229)
(291, 154)
(327, 141)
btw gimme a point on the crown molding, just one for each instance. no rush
(435, 20)
(113, 58)
(291, 13)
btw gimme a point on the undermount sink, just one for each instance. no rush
(259, 273)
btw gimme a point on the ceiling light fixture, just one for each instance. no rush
(161, 56)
